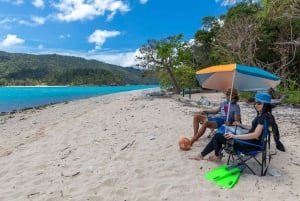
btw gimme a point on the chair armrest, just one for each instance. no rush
(247, 143)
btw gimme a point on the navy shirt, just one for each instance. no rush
(258, 120)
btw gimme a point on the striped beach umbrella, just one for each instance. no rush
(241, 77)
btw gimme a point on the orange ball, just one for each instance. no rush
(184, 143)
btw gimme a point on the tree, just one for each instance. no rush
(281, 30)
(204, 38)
(236, 40)
(165, 56)
(265, 34)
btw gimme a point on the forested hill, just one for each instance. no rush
(28, 69)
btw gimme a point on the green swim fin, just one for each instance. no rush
(229, 181)
(221, 172)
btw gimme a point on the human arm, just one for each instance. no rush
(234, 117)
(253, 135)
(194, 138)
(212, 111)
(237, 118)
(236, 110)
(239, 124)
(236, 121)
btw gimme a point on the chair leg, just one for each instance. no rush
(212, 133)
(266, 159)
(243, 161)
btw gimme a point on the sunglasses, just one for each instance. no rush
(258, 103)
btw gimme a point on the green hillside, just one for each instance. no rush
(28, 69)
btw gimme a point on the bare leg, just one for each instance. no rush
(201, 131)
(197, 157)
(198, 118)
(214, 158)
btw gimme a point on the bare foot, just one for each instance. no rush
(214, 158)
(197, 158)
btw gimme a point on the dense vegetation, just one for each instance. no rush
(261, 33)
(27, 69)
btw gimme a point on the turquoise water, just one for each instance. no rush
(16, 98)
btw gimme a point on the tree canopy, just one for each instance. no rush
(262, 33)
(166, 58)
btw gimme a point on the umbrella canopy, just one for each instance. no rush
(243, 78)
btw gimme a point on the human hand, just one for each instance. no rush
(204, 112)
(227, 123)
(236, 123)
(192, 140)
(229, 136)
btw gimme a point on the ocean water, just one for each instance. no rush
(17, 98)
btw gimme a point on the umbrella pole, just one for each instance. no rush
(232, 83)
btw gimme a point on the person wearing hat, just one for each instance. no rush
(263, 108)
(214, 122)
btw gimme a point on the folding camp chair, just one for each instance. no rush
(260, 153)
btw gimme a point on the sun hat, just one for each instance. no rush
(263, 97)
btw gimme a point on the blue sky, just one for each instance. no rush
(106, 30)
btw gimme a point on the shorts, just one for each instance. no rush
(219, 120)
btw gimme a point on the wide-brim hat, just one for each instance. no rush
(263, 97)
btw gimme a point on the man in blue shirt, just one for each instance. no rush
(215, 122)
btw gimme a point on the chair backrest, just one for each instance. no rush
(264, 139)
(265, 136)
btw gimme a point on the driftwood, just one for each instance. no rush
(128, 145)
(70, 175)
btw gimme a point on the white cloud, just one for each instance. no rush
(121, 58)
(16, 2)
(229, 2)
(24, 22)
(5, 23)
(35, 21)
(38, 20)
(143, 1)
(38, 3)
(64, 36)
(114, 6)
(124, 59)
(72, 10)
(11, 40)
(99, 37)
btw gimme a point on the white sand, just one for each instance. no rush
(124, 147)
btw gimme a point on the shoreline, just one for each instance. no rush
(19, 98)
(194, 100)
(123, 146)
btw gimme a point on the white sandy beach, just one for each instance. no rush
(124, 147)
